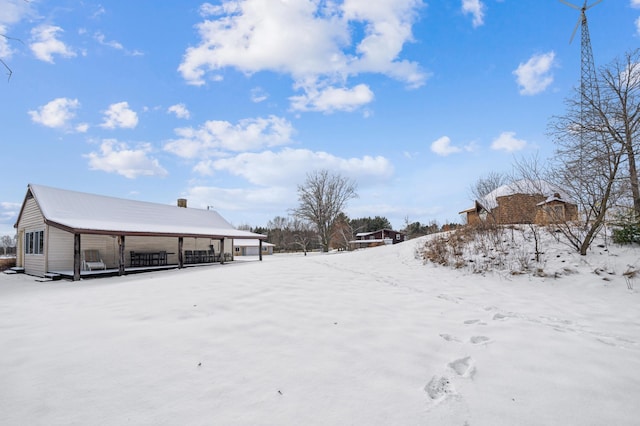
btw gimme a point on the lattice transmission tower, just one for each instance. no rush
(588, 82)
(589, 97)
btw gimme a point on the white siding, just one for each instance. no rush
(60, 250)
(32, 220)
(251, 251)
(168, 244)
(105, 244)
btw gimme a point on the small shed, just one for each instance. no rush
(251, 247)
(57, 229)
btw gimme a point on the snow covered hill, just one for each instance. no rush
(372, 337)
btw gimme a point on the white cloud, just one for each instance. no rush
(253, 36)
(119, 115)
(5, 48)
(273, 198)
(82, 128)
(57, 113)
(45, 44)
(117, 157)
(274, 177)
(100, 38)
(635, 4)
(534, 76)
(637, 22)
(258, 94)
(508, 142)
(290, 166)
(100, 10)
(180, 110)
(9, 210)
(476, 9)
(443, 147)
(332, 99)
(214, 137)
(13, 11)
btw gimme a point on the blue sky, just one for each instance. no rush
(229, 104)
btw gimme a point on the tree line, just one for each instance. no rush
(320, 223)
(8, 244)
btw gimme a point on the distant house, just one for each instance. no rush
(377, 238)
(251, 247)
(523, 202)
(59, 229)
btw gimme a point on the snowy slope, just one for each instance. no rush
(373, 337)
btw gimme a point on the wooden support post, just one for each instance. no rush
(121, 261)
(260, 250)
(180, 259)
(77, 260)
(221, 251)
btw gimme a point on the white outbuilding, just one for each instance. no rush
(69, 233)
(252, 247)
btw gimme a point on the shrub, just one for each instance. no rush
(627, 233)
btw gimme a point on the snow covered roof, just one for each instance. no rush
(254, 242)
(364, 234)
(98, 214)
(552, 198)
(523, 186)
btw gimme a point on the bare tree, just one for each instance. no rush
(588, 164)
(303, 234)
(486, 184)
(322, 198)
(7, 241)
(619, 111)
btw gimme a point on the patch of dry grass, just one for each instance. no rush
(487, 247)
(7, 262)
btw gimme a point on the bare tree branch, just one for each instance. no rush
(9, 70)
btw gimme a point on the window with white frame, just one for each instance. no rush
(34, 242)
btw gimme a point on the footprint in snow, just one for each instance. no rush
(449, 338)
(449, 298)
(476, 340)
(474, 321)
(445, 406)
(464, 367)
(438, 388)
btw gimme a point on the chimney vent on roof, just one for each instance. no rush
(182, 202)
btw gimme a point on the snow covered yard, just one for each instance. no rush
(373, 337)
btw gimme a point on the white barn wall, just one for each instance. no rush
(32, 220)
(59, 250)
(105, 244)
